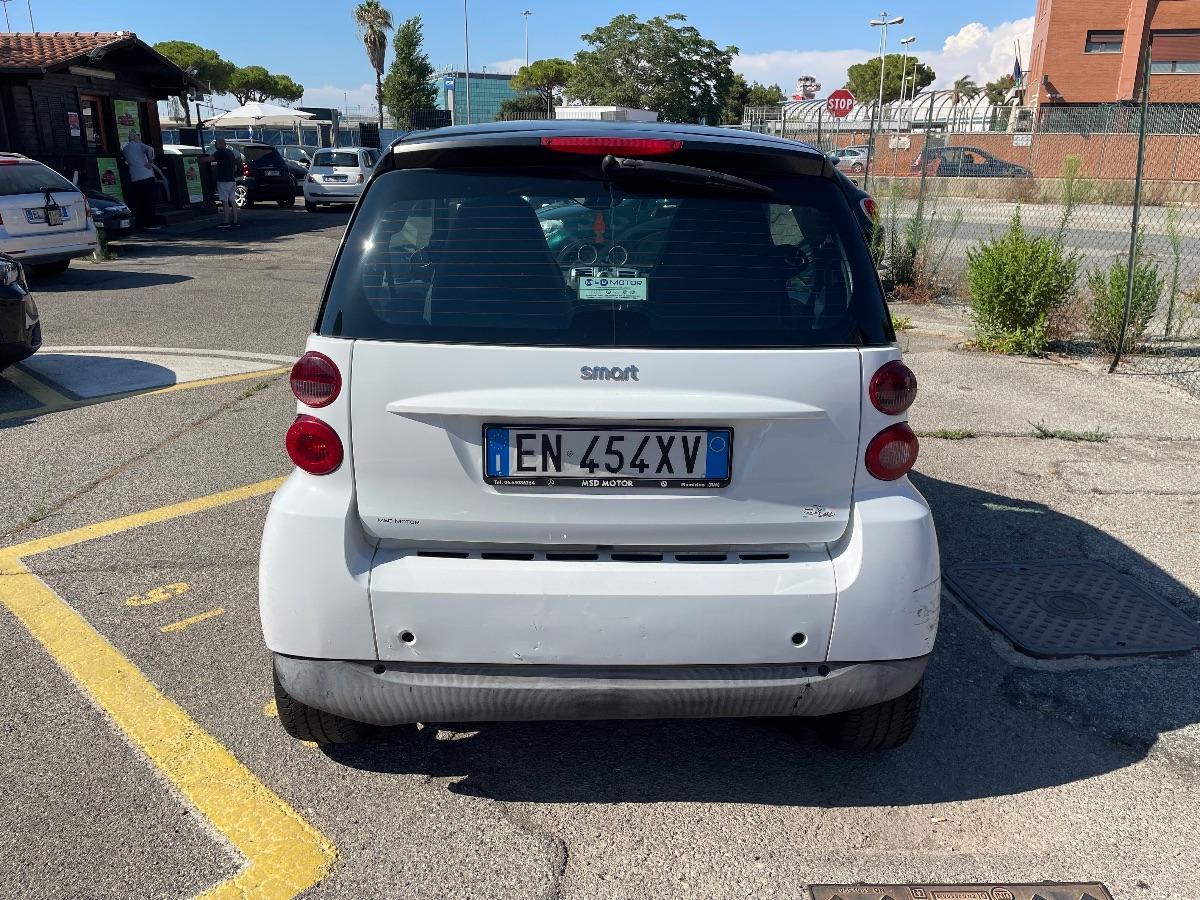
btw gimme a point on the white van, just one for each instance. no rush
(337, 175)
(601, 420)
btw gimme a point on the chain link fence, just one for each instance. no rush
(949, 180)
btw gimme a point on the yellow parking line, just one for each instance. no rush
(192, 620)
(42, 393)
(53, 402)
(284, 854)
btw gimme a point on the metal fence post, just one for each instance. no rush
(870, 151)
(924, 159)
(1137, 201)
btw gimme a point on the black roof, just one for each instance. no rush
(594, 128)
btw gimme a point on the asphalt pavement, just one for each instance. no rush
(143, 758)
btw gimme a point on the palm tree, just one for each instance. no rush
(374, 22)
(963, 88)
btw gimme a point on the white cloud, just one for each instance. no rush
(358, 99)
(976, 50)
(506, 66)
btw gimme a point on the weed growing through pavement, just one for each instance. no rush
(1092, 436)
(901, 323)
(949, 434)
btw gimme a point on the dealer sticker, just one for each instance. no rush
(593, 288)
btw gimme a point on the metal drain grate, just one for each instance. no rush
(960, 892)
(1072, 608)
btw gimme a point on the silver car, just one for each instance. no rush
(850, 159)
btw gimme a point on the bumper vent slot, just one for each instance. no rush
(624, 556)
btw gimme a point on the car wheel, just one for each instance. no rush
(306, 723)
(883, 726)
(241, 197)
(856, 167)
(52, 268)
(310, 206)
(287, 201)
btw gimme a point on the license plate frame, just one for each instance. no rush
(271, 173)
(336, 179)
(604, 480)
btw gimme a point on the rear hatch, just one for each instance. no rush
(572, 358)
(35, 200)
(266, 163)
(338, 169)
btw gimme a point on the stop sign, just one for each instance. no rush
(840, 103)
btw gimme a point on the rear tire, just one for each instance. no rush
(51, 268)
(883, 726)
(310, 206)
(306, 723)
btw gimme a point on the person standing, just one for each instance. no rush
(226, 162)
(140, 156)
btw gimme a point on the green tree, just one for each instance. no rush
(546, 76)
(408, 86)
(205, 65)
(964, 88)
(862, 79)
(255, 83)
(524, 106)
(374, 22)
(736, 100)
(765, 95)
(997, 90)
(660, 64)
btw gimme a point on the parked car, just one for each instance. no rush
(966, 162)
(44, 219)
(633, 475)
(263, 174)
(112, 217)
(850, 159)
(337, 175)
(20, 327)
(298, 159)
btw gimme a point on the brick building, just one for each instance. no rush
(1087, 51)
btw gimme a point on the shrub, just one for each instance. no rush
(1107, 287)
(1016, 282)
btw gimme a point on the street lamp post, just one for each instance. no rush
(467, 60)
(904, 72)
(882, 22)
(526, 16)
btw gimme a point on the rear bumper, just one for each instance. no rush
(319, 193)
(430, 692)
(34, 250)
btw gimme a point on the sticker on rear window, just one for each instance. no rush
(592, 288)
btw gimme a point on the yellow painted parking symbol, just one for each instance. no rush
(158, 594)
(192, 620)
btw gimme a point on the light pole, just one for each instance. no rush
(882, 22)
(903, 72)
(526, 15)
(467, 55)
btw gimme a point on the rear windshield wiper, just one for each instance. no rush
(619, 167)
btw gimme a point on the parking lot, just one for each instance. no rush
(142, 445)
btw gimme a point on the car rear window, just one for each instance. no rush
(343, 158)
(262, 154)
(31, 178)
(526, 258)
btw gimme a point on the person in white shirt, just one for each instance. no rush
(140, 157)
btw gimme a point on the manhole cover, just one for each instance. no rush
(1072, 608)
(959, 892)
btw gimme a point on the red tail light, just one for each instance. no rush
(360, 179)
(893, 388)
(315, 379)
(892, 452)
(245, 168)
(870, 207)
(603, 146)
(312, 179)
(314, 446)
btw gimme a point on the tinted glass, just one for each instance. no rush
(504, 258)
(31, 178)
(264, 155)
(347, 158)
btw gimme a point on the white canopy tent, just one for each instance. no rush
(256, 114)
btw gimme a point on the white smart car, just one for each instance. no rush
(45, 221)
(337, 175)
(600, 421)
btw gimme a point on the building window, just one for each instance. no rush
(1175, 53)
(1174, 67)
(1104, 42)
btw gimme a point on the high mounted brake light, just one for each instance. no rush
(616, 146)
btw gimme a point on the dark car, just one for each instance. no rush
(20, 328)
(298, 160)
(111, 216)
(263, 174)
(966, 162)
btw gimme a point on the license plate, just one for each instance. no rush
(337, 178)
(271, 172)
(55, 215)
(599, 458)
(124, 223)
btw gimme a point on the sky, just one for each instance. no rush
(314, 41)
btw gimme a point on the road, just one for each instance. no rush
(142, 753)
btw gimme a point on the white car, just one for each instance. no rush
(337, 175)
(650, 463)
(45, 221)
